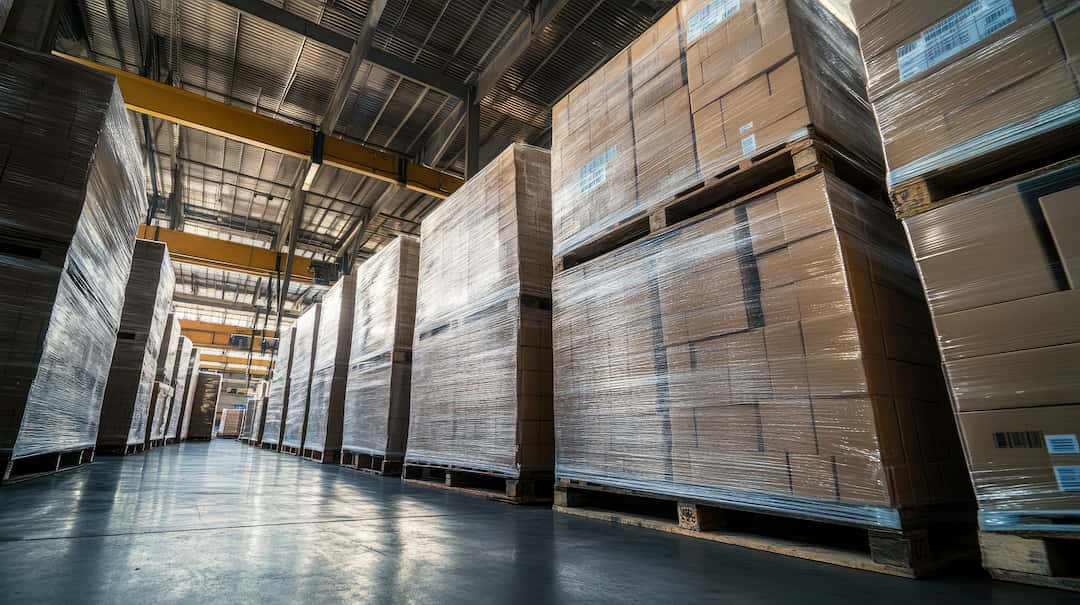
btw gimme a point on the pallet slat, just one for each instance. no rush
(486, 484)
(1039, 560)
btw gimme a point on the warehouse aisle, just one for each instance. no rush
(220, 521)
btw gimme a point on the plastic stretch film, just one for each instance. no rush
(330, 368)
(774, 355)
(207, 390)
(180, 382)
(147, 302)
(956, 81)
(189, 396)
(1001, 269)
(166, 364)
(380, 361)
(481, 389)
(231, 419)
(303, 363)
(67, 226)
(713, 83)
(277, 404)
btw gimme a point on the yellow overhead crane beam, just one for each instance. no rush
(234, 361)
(146, 96)
(205, 334)
(220, 254)
(237, 370)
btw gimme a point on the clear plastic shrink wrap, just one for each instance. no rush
(1001, 269)
(67, 227)
(303, 363)
(147, 301)
(481, 389)
(189, 396)
(277, 405)
(713, 83)
(331, 367)
(231, 419)
(207, 389)
(5, 10)
(161, 398)
(380, 361)
(775, 355)
(182, 372)
(963, 81)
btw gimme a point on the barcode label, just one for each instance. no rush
(953, 34)
(1019, 439)
(1068, 478)
(594, 173)
(749, 144)
(747, 127)
(708, 16)
(1062, 444)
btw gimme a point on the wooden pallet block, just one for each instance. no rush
(288, 449)
(768, 170)
(1046, 560)
(369, 463)
(486, 484)
(321, 457)
(29, 467)
(910, 553)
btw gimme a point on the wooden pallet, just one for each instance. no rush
(198, 438)
(1041, 559)
(535, 489)
(288, 449)
(911, 553)
(321, 457)
(171, 440)
(156, 443)
(273, 447)
(120, 450)
(1001, 166)
(370, 463)
(768, 170)
(29, 467)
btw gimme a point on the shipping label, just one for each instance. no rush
(594, 173)
(953, 34)
(708, 17)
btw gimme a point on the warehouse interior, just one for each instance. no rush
(540, 300)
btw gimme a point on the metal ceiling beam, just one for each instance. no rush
(230, 360)
(230, 256)
(541, 15)
(146, 96)
(359, 51)
(297, 24)
(189, 326)
(206, 301)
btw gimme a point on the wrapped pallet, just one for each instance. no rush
(773, 356)
(182, 373)
(1001, 269)
(204, 400)
(481, 388)
(67, 227)
(971, 85)
(294, 423)
(376, 420)
(330, 368)
(258, 421)
(126, 408)
(166, 366)
(713, 83)
(231, 419)
(277, 404)
(189, 395)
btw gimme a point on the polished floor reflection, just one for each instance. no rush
(224, 522)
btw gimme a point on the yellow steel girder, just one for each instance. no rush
(212, 252)
(232, 361)
(236, 369)
(205, 334)
(146, 96)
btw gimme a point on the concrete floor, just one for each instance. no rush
(225, 522)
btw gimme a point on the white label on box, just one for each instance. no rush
(749, 144)
(953, 34)
(708, 16)
(594, 173)
(1068, 478)
(745, 128)
(1062, 444)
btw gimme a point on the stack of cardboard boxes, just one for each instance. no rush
(67, 227)
(295, 416)
(180, 389)
(277, 403)
(206, 390)
(380, 362)
(147, 301)
(164, 382)
(481, 389)
(330, 370)
(188, 402)
(231, 419)
(711, 84)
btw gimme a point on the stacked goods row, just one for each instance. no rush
(206, 390)
(330, 368)
(165, 382)
(376, 423)
(184, 421)
(147, 301)
(231, 419)
(713, 85)
(979, 109)
(181, 372)
(481, 389)
(251, 410)
(277, 403)
(295, 415)
(68, 223)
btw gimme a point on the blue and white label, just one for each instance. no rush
(1062, 444)
(1068, 478)
(953, 34)
(708, 17)
(749, 144)
(745, 128)
(594, 173)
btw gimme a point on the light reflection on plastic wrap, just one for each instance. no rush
(303, 358)
(330, 367)
(278, 401)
